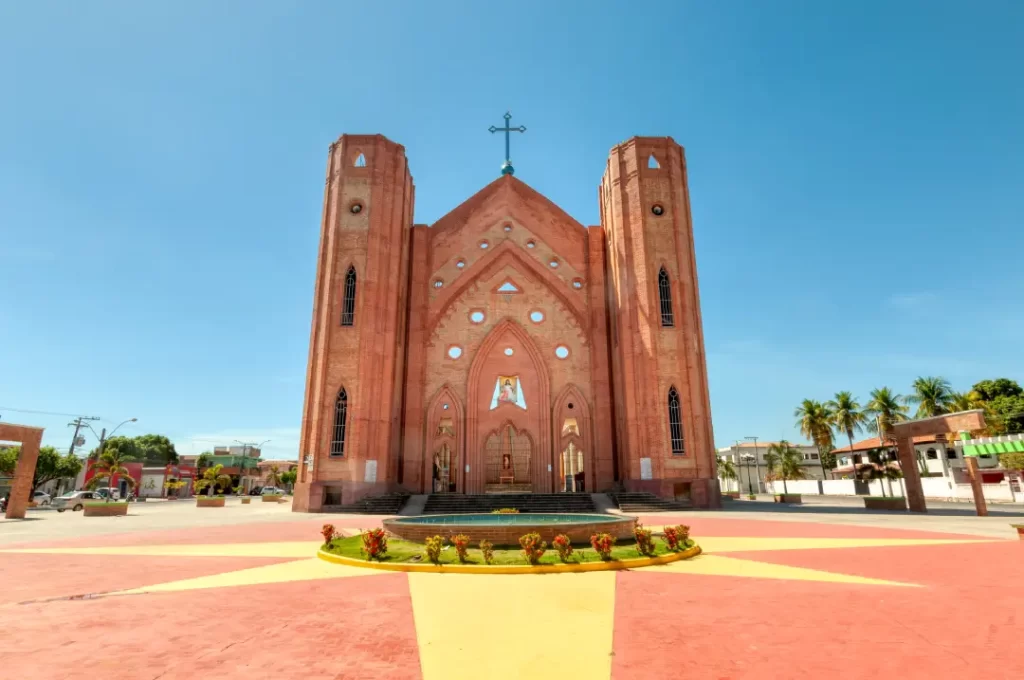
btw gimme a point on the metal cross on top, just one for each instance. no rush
(506, 167)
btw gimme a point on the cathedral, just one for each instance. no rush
(506, 347)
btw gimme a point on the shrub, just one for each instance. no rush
(487, 548)
(533, 547)
(672, 538)
(684, 533)
(602, 545)
(505, 511)
(328, 534)
(644, 542)
(461, 543)
(375, 543)
(564, 547)
(434, 545)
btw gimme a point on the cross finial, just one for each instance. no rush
(506, 167)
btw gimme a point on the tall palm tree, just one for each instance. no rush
(880, 469)
(110, 464)
(274, 476)
(932, 396)
(847, 416)
(727, 470)
(785, 462)
(884, 409)
(815, 422)
(965, 401)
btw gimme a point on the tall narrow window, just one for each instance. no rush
(675, 422)
(348, 301)
(340, 418)
(665, 292)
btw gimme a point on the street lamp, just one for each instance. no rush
(757, 462)
(750, 482)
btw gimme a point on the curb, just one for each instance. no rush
(611, 565)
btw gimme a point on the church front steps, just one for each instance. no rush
(442, 504)
(633, 502)
(387, 504)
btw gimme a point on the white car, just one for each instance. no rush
(41, 498)
(272, 491)
(74, 500)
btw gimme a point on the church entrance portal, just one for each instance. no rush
(571, 470)
(507, 457)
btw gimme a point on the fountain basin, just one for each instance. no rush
(506, 529)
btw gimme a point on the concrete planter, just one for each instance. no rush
(793, 498)
(272, 499)
(887, 503)
(1020, 530)
(32, 504)
(106, 510)
(246, 500)
(209, 502)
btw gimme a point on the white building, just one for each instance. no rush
(936, 458)
(751, 468)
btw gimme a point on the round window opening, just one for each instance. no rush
(577, 284)
(507, 227)
(531, 244)
(445, 406)
(509, 352)
(536, 316)
(438, 283)
(356, 208)
(476, 317)
(484, 245)
(554, 264)
(454, 352)
(657, 209)
(570, 405)
(460, 264)
(562, 352)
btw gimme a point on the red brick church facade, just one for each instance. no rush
(506, 345)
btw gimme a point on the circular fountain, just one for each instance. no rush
(505, 529)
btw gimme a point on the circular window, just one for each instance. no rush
(531, 244)
(454, 352)
(657, 209)
(438, 283)
(536, 316)
(561, 351)
(460, 264)
(356, 208)
(476, 316)
(553, 264)
(507, 228)
(509, 351)
(484, 245)
(570, 405)
(445, 406)
(577, 284)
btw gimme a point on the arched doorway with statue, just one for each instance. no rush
(574, 441)
(508, 421)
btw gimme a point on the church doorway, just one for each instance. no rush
(445, 470)
(571, 472)
(507, 459)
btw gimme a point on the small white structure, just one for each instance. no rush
(751, 467)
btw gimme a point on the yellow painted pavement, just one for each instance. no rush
(274, 549)
(722, 544)
(497, 627)
(719, 565)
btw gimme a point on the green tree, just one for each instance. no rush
(965, 401)
(110, 464)
(727, 469)
(932, 396)
(50, 465)
(289, 477)
(885, 409)
(155, 449)
(274, 476)
(212, 477)
(784, 462)
(1012, 461)
(9, 460)
(124, 446)
(1000, 387)
(815, 422)
(881, 469)
(204, 460)
(847, 417)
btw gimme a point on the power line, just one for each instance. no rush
(41, 413)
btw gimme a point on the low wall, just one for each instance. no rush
(935, 488)
(508, 534)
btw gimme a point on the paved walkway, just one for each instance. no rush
(241, 594)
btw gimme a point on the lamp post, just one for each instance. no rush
(757, 462)
(245, 448)
(750, 482)
(103, 438)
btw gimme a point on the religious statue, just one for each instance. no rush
(508, 392)
(506, 463)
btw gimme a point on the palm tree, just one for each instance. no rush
(932, 396)
(847, 416)
(212, 477)
(884, 409)
(815, 422)
(274, 477)
(784, 461)
(110, 464)
(881, 469)
(727, 470)
(965, 401)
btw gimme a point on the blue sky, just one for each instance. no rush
(856, 174)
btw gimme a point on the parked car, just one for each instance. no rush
(272, 491)
(41, 497)
(256, 491)
(74, 500)
(108, 492)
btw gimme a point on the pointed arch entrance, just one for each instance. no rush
(508, 407)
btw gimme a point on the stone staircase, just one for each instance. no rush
(438, 504)
(633, 502)
(387, 504)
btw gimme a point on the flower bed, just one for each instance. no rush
(788, 498)
(272, 498)
(209, 501)
(103, 509)
(885, 503)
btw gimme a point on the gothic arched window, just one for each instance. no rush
(675, 421)
(340, 419)
(665, 293)
(348, 300)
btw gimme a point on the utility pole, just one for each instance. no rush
(78, 423)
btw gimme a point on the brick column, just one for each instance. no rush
(21, 487)
(911, 476)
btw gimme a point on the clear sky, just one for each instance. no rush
(856, 168)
